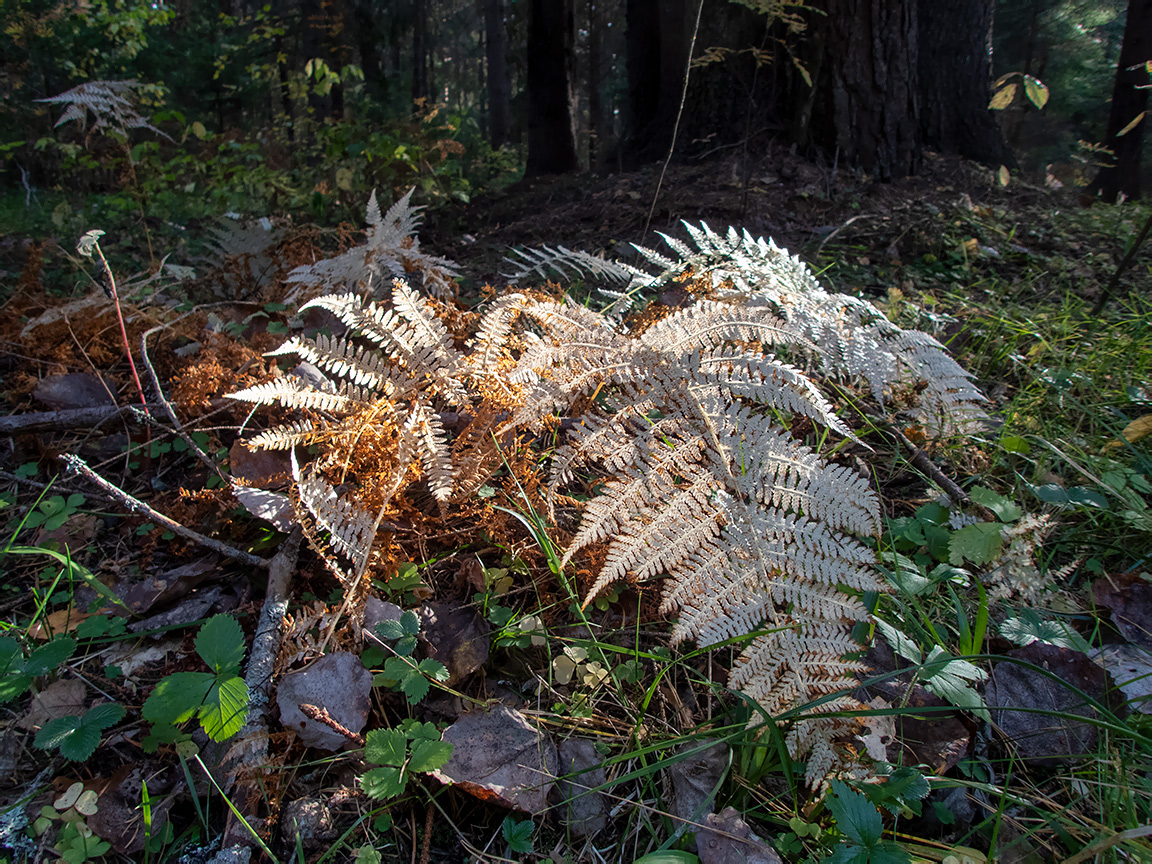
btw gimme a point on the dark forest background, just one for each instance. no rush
(287, 106)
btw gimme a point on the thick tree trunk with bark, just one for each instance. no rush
(551, 127)
(1129, 100)
(866, 108)
(498, 92)
(955, 49)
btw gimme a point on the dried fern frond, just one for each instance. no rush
(108, 101)
(560, 259)
(392, 252)
(848, 336)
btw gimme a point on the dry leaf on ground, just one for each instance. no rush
(727, 839)
(585, 812)
(456, 636)
(1131, 668)
(59, 699)
(499, 756)
(1129, 597)
(338, 682)
(696, 779)
(1017, 694)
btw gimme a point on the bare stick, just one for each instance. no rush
(321, 715)
(68, 418)
(170, 411)
(79, 466)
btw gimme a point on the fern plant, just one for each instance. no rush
(392, 252)
(696, 419)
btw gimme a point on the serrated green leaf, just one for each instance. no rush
(979, 543)
(430, 755)
(177, 697)
(410, 621)
(415, 686)
(417, 730)
(104, 715)
(383, 782)
(900, 643)
(11, 655)
(56, 731)
(852, 854)
(385, 747)
(13, 687)
(405, 646)
(856, 817)
(1005, 509)
(225, 708)
(434, 669)
(389, 629)
(48, 657)
(518, 835)
(1028, 627)
(220, 644)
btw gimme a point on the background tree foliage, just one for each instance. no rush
(287, 106)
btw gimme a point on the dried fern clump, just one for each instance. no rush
(698, 425)
(853, 339)
(392, 252)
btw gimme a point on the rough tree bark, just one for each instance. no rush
(498, 94)
(955, 51)
(867, 106)
(1129, 100)
(551, 126)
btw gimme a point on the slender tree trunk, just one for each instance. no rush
(642, 37)
(498, 91)
(955, 47)
(419, 51)
(551, 126)
(1129, 101)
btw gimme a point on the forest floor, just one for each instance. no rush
(112, 615)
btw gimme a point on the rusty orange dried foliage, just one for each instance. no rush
(222, 365)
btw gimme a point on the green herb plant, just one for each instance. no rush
(218, 699)
(411, 748)
(403, 672)
(75, 843)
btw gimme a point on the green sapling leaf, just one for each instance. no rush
(177, 697)
(856, 817)
(220, 644)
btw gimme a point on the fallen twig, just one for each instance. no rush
(79, 466)
(68, 418)
(321, 715)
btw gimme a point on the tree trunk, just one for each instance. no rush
(956, 80)
(1129, 101)
(498, 91)
(642, 35)
(420, 88)
(867, 107)
(551, 126)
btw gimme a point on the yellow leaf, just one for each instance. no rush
(1003, 97)
(1133, 432)
(972, 247)
(1132, 125)
(1003, 175)
(1036, 90)
(199, 131)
